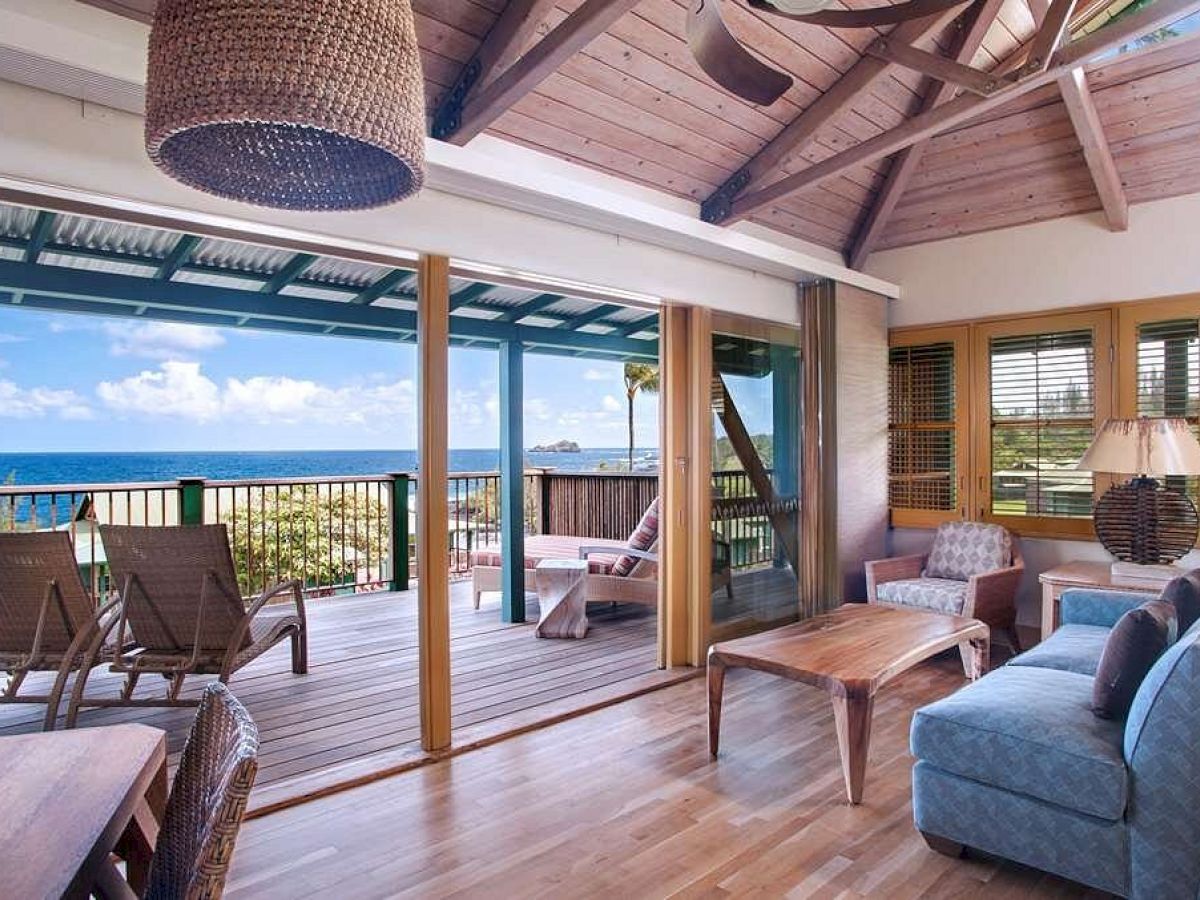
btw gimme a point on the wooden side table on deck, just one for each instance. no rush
(1081, 574)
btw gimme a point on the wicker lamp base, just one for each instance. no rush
(1143, 522)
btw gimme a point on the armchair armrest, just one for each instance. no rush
(898, 568)
(585, 552)
(992, 596)
(1086, 606)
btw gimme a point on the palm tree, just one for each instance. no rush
(638, 377)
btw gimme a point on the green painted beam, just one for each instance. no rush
(179, 255)
(384, 285)
(290, 271)
(512, 483)
(42, 226)
(591, 317)
(530, 307)
(649, 323)
(468, 295)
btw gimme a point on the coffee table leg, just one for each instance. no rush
(976, 656)
(716, 690)
(853, 718)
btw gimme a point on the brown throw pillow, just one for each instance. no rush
(1133, 646)
(1184, 594)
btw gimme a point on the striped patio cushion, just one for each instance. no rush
(644, 537)
(553, 546)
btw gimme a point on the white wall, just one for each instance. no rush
(1072, 261)
(1065, 262)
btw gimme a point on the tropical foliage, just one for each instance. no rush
(638, 377)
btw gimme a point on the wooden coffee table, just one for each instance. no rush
(851, 652)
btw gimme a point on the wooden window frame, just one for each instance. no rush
(1131, 316)
(960, 337)
(1100, 321)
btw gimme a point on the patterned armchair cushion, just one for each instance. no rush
(963, 549)
(1071, 648)
(1030, 731)
(644, 537)
(938, 594)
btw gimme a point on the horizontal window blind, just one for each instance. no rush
(1043, 402)
(1168, 379)
(921, 428)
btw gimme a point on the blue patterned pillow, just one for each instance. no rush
(963, 549)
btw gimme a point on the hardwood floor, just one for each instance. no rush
(355, 713)
(626, 802)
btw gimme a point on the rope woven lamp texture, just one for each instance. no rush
(293, 104)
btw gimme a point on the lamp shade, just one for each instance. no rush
(1143, 447)
(294, 104)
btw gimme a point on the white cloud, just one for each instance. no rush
(611, 403)
(600, 375)
(161, 340)
(6, 338)
(36, 403)
(181, 389)
(538, 408)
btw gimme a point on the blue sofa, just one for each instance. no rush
(1017, 765)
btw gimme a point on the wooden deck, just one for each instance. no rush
(356, 712)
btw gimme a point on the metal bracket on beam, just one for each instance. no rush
(719, 205)
(448, 118)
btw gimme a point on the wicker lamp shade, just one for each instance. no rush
(294, 104)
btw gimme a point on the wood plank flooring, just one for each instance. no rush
(356, 711)
(626, 802)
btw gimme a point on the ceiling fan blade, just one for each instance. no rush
(871, 17)
(726, 61)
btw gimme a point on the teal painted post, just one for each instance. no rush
(399, 536)
(191, 501)
(512, 483)
(785, 426)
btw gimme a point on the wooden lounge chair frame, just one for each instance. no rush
(153, 623)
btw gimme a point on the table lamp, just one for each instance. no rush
(1143, 523)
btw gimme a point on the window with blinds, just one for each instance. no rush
(1043, 410)
(1168, 379)
(921, 428)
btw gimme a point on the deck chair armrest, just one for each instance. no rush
(284, 587)
(585, 552)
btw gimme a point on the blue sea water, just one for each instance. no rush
(104, 468)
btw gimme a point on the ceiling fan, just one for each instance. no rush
(739, 71)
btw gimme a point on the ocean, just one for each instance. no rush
(105, 468)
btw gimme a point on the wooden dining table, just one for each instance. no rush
(71, 799)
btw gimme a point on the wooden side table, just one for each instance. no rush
(562, 596)
(1082, 574)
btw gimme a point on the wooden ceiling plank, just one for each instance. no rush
(909, 158)
(966, 107)
(583, 25)
(1078, 100)
(800, 131)
(499, 50)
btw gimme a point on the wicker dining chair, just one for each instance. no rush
(183, 613)
(47, 619)
(207, 801)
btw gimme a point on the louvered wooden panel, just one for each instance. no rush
(1043, 418)
(921, 427)
(1168, 379)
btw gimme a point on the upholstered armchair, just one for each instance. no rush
(972, 569)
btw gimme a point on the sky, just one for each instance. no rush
(87, 383)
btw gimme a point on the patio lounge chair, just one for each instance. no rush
(618, 571)
(47, 620)
(183, 611)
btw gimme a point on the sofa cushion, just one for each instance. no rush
(1133, 647)
(1183, 593)
(643, 538)
(938, 594)
(1071, 648)
(1031, 731)
(963, 549)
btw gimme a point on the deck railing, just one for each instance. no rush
(357, 533)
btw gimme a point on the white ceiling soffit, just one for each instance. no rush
(28, 56)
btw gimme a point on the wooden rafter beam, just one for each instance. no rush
(184, 247)
(948, 71)
(802, 130)
(1049, 36)
(290, 271)
(43, 225)
(468, 295)
(591, 317)
(530, 307)
(385, 284)
(975, 28)
(481, 108)
(1078, 99)
(505, 41)
(966, 107)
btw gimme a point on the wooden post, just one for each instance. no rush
(699, 503)
(544, 502)
(674, 417)
(399, 536)
(191, 501)
(433, 520)
(512, 483)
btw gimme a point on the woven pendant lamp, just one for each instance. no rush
(293, 104)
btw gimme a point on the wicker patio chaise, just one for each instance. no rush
(47, 620)
(183, 612)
